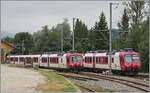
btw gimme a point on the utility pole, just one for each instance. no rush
(73, 35)
(149, 36)
(62, 38)
(110, 39)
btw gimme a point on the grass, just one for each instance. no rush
(55, 83)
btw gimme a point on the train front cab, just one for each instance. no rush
(74, 61)
(130, 63)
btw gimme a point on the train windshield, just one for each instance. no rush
(76, 59)
(132, 58)
(136, 58)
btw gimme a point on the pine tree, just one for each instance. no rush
(101, 34)
(81, 36)
(124, 30)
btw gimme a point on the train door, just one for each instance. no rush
(62, 62)
(118, 61)
(94, 60)
(14, 61)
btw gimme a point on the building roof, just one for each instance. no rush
(6, 46)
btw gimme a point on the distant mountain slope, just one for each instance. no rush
(115, 33)
(5, 34)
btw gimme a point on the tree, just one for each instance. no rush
(40, 39)
(124, 24)
(135, 11)
(66, 35)
(8, 39)
(23, 42)
(81, 36)
(52, 38)
(138, 35)
(124, 30)
(100, 34)
(65, 27)
(144, 45)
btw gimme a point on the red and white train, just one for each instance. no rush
(58, 61)
(126, 62)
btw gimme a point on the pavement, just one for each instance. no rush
(19, 80)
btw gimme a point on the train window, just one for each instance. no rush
(136, 58)
(79, 58)
(16, 59)
(28, 59)
(132, 58)
(98, 60)
(21, 59)
(44, 60)
(88, 59)
(73, 59)
(54, 60)
(35, 59)
(128, 58)
(85, 60)
(112, 60)
(101, 60)
(104, 60)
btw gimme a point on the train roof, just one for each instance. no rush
(49, 55)
(101, 54)
(125, 53)
(96, 54)
(89, 54)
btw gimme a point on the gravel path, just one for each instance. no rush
(19, 80)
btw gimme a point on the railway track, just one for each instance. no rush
(85, 88)
(85, 76)
(143, 77)
(79, 77)
(137, 85)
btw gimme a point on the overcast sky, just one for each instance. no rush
(29, 16)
